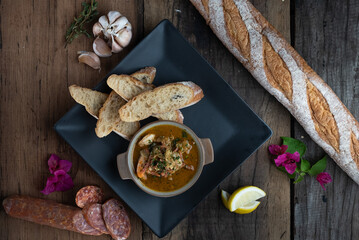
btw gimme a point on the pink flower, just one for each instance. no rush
(277, 150)
(55, 163)
(288, 161)
(324, 178)
(61, 181)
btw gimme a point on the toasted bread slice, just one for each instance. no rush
(92, 100)
(175, 116)
(128, 87)
(145, 75)
(162, 99)
(109, 118)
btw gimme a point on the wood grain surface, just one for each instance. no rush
(36, 70)
(327, 36)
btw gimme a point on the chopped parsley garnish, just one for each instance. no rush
(184, 134)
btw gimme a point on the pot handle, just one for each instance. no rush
(123, 167)
(207, 150)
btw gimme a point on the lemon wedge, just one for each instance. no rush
(243, 200)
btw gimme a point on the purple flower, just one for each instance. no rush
(277, 150)
(61, 181)
(288, 161)
(55, 163)
(324, 178)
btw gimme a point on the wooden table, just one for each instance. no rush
(36, 70)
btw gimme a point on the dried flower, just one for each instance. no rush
(288, 161)
(61, 181)
(324, 178)
(277, 150)
(55, 163)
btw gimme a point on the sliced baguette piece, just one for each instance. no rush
(109, 118)
(128, 87)
(145, 75)
(162, 99)
(175, 116)
(92, 100)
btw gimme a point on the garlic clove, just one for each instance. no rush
(116, 47)
(89, 58)
(124, 37)
(119, 24)
(101, 48)
(113, 16)
(103, 20)
(97, 29)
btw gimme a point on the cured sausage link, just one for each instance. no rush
(46, 212)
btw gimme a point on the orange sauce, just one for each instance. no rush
(180, 177)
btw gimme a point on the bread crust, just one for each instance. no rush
(127, 113)
(328, 121)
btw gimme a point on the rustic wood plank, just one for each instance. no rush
(210, 220)
(36, 70)
(327, 36)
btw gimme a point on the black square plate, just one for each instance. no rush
(235, 130)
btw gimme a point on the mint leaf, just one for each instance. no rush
(318, 167)
(294, 145)
(299, 179)
(304, 165)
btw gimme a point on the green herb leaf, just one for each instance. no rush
(304, 165)
(299, 179)
(318, 167)
(77, 27)
(291, 176)
(294, 145)
(184, 134)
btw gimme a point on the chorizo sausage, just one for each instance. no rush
(93, 215)
(116, 219)
(88, 195)
(46, 212)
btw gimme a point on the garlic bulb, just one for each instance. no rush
(115, 28)
(90, 59)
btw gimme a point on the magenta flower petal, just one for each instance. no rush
(274, 149)
(324, 178)
(64, 181)
(287, 160)
(280, 160)
(64, 165)
(53, 162)
(277, 150)
(283, 149)
(50, 185)
(290, 167)
(295, 156)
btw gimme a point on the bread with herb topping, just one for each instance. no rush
(128, 87)
(160, 100)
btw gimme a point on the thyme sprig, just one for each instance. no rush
(76, 29)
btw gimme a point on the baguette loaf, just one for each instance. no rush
(284, 73)
(128, 87)
(93, 101)
(162, 99)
